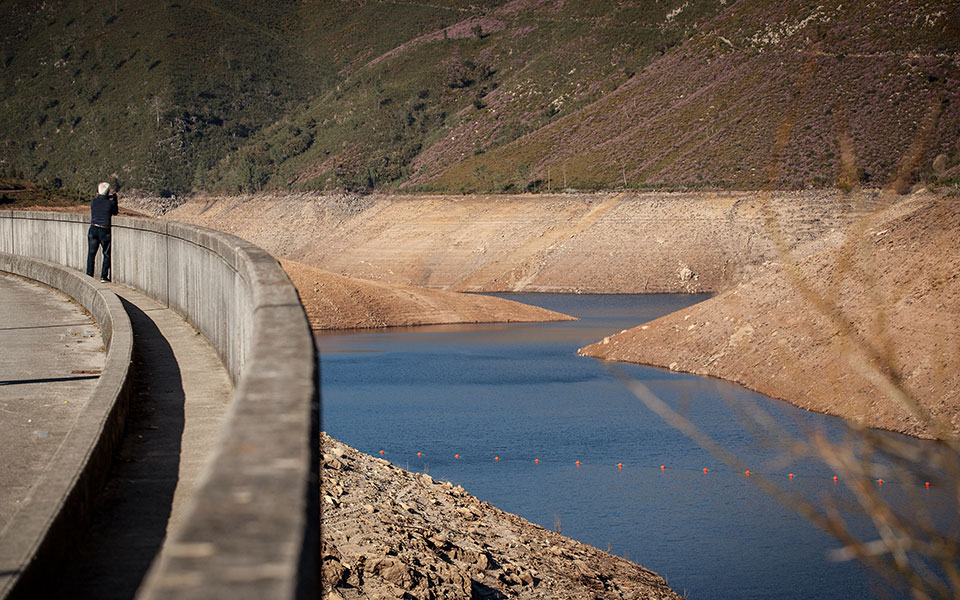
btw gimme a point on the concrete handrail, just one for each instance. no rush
(39, 535)
(252, 526)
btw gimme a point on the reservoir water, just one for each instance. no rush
(520, 392)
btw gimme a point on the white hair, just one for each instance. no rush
(103, 188)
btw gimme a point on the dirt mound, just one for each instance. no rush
(841, 332)
(337, 302)
(390, 533)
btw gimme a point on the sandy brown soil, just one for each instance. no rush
(337, 302)
(390, 533)
(841, 332)
(604, 243)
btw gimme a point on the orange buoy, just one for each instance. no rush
(578, 464)
(456, 456)
(619, 465)
(496, 458)
(536, 460)
(791, 475)
(704, 469)
(928, 484)
(663, 467)
(381, 452)
(419, 453)
(880, 481)
(748, 472)
(834, 478)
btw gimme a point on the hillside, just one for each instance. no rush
(499, 96)
(878, 312)
(148, 93)
(630, 242)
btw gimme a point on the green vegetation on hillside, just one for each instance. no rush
(149, 93)
(526, 95)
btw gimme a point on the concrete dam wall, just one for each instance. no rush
(253, 526)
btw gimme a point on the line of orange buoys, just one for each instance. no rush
(706, 470)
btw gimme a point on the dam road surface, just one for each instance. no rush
(53, 355)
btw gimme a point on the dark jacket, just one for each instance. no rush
(102, 209)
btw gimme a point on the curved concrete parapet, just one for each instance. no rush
(40, 533)
(253, 526)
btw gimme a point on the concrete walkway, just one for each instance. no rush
(51, 356)
(181, 393)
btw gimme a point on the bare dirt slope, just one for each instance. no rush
(840, 331)
(894, 287)
(390, 533)
(337, 302)
(604, 243)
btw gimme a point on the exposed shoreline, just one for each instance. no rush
(653, 242)
(337, 302)
(396, 260)
(866, 329)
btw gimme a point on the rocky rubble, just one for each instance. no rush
(390, 533)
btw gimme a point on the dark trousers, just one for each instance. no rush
(98, 237)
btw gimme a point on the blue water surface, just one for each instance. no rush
(520, 392)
